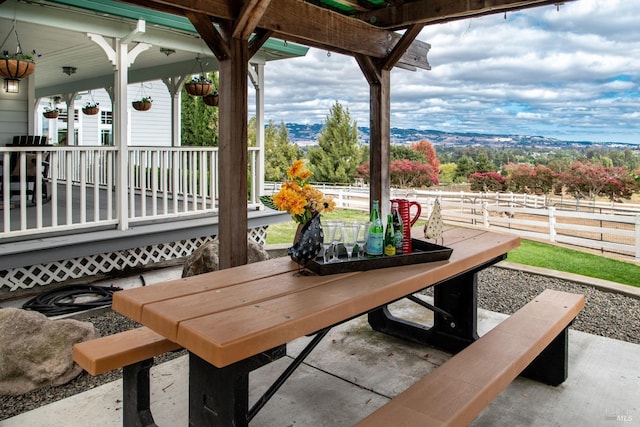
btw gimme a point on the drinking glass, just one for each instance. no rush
(337, 239)
(328, 229)
(349, 235)
(361, 238)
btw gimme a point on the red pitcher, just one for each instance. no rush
(404, 209)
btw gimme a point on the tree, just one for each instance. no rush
(483, 163)
(403, 173)
(585, 179)
(486, 181)
(402, 152)
(279, 152)
(338, 154)
(447, 173)
(523, 178)
(466, 166)
(520, 177)
(199, 121)
(429, 152)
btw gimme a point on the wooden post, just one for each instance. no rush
(232, 224)
(379, 80)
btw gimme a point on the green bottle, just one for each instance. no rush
(376, 232)
(389, 238)
(398, 227)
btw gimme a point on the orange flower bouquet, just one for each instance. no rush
(298, 197)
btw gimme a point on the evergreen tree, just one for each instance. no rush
(199, 121)
(279, 152)
(483, 163)
(338, 154)
(466, 166)
(402, 152)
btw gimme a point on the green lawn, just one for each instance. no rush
(570, 261)
(284, 232)
(529, 253)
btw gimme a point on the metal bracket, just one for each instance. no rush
(286, 374)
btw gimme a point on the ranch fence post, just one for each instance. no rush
(637, 237)
(485, 214)
(552, 224)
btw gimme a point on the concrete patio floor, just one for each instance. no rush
(354, 371)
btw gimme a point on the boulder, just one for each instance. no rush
(36, 351)
(205, 258)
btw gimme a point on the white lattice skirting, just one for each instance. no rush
(62, 271)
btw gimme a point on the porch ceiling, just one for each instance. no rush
(58, 31)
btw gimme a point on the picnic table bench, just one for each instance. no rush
(235, 320)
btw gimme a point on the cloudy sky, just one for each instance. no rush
(572, 74)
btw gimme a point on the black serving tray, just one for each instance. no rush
(422, 252)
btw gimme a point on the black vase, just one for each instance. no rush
(308, 243)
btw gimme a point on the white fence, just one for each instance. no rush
(601, 226)
(76, 186)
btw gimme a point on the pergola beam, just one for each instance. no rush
(304, 23)
(439, 11)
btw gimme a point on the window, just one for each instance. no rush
(106, 117)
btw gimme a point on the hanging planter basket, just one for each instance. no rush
(90, 111)
(16, 68)
(212, 100)
(51, 114)
(141, 105)
(198, 88)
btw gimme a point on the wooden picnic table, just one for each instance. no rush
(235, 320)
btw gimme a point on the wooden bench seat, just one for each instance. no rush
(132, 350)
(532, 342)
(122, 349)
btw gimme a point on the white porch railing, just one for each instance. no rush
(75, 187)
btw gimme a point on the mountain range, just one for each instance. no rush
(307, 134)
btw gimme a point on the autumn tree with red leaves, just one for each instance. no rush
(487, 181)
(429, 152)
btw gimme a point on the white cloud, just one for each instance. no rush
(566, 74)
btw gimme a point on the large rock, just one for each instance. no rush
(205, 258)
(36, 351)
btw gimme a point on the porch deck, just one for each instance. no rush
(44, 254)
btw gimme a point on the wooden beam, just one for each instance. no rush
(439, 11)
(300, 22)
(258, 40)
(248, 19)
(210, 35)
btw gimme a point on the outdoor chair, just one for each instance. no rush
(31, 167)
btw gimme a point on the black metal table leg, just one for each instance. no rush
(453, 331)
(220, 396)
(136, 395)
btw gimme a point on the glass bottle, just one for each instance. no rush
(376, 232)
(398, 227)
(389, 238)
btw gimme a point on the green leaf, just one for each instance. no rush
(268, 202)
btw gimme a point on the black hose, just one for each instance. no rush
(62, 300)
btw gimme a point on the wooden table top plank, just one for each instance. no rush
(132, 305)
(165, 316)
(452, 235)
(223, 338)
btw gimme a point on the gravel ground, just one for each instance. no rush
(500, 290)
